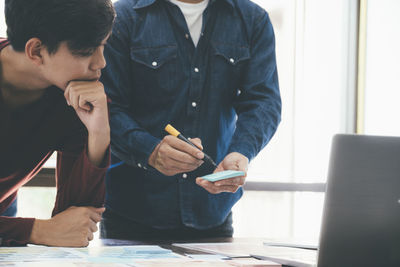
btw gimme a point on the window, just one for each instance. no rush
(382, 93)
(316, 45)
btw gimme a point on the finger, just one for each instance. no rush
(181, 162)
(228, 186)
(90, 236)
(243, 166)
(95, 214)
(170, 169)
(197, 142)
(184, 147)
(66, 95)
(85, 243)
(99, 210)
(83, 84)
(73, 99)
(83, 104)
(78, 88)
(171, 152)
(213, 189)
(87, 100)
(93, 227)
(231, 165)
(219, 168)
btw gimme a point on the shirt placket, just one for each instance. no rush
(196, 57)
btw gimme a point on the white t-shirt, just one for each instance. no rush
(194, 17)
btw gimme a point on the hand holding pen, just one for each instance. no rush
(172, 156)
(172, 131)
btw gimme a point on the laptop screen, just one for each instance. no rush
(361, 218)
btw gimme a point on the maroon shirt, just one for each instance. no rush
(28, 137)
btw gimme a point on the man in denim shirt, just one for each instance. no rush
(210, 71)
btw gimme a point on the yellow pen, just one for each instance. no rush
(172, 131)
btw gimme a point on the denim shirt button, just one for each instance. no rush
(184, 176)
(232, 60)
(187, 36)
(194, 104)
(139, 165)
(154, 63)
(196, 70)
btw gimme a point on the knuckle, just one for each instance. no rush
(84, 234)
(162, 149)
(85, 212)
(84, 242)
(100, 85)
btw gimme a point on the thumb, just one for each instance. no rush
(97, 210)
(219, 168)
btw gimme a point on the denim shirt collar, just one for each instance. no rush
(145, 3)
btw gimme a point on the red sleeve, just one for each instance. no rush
(15, 231)
(79, 182)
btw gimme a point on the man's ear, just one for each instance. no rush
(34, 51)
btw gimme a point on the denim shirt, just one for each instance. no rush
(224, 91)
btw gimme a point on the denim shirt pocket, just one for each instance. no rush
(152, 69)
(228, 62)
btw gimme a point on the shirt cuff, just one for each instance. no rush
(140, 152)
(242, 149)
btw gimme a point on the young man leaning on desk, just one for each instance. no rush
(51, 100)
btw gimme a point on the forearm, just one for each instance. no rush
(258, 106)
(254, 129)
(130, 142)
(98, 143)
(79, 181)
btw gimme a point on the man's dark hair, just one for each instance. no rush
(83, 24)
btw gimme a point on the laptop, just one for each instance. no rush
(361, 217)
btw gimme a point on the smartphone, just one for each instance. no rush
(222, 175)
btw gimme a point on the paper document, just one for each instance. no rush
(116, 254)
(282, 255)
